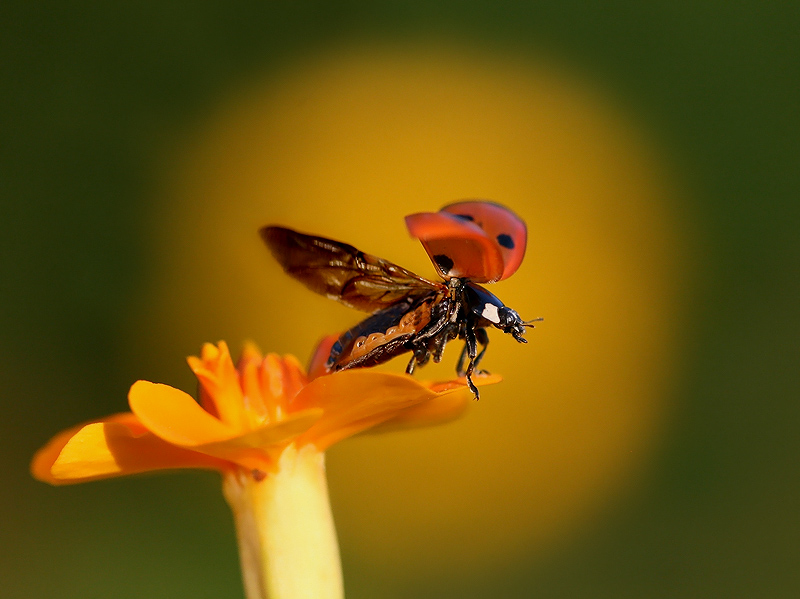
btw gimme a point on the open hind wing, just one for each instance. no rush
(341, 272)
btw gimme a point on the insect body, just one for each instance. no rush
(469, 242)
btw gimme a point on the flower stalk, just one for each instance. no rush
(284, 525)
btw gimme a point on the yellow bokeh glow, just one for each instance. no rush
(346, 145)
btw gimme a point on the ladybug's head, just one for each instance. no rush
(510, 322)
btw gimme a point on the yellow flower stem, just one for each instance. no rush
(287, 540)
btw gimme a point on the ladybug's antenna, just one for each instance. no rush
(527, 323)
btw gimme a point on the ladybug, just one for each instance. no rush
(469, 242)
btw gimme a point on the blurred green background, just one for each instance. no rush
(99, 103)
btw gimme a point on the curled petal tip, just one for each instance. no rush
(316, 366)
(480, 380)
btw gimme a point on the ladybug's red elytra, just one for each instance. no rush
(476, 240)
(469, 242)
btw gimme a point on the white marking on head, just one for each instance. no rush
(490, 313)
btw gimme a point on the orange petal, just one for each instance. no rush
(294, 375)
(274, 433)
(220, 381)
(355, 400)
(203, 396)
(250, 352)
(255, 406)
(316, 367)
(175, 416)
(43, 460)
(117, 446)
(272, 383)
(439, 410)
(257, 448)
(452, 399)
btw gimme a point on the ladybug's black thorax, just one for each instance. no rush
(489, 310)
(482, 306)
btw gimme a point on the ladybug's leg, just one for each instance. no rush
(439, 342)
(460, 364)
(475, 394)
(471, 350)
(482, 337)
(421, 356)
(411, 364)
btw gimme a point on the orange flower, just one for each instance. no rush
(265, 425)
(245, 418)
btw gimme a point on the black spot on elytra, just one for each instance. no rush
(444, 263)
(505, 241)
(464, 217)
